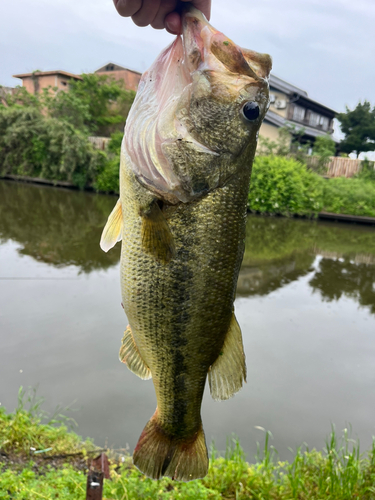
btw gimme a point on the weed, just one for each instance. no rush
(339, 472)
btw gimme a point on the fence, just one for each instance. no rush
(343, 167)
(99, 142)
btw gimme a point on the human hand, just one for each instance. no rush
(159, 14)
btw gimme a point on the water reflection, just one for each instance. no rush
(62, 330)
(279, 251)
(335, 278)
(264, 278)
(61, 227)
(56, 226)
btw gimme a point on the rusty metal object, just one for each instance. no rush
(98, 470)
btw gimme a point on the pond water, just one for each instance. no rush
(305, 303)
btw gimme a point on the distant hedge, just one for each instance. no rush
(349, 196)
(284, 186)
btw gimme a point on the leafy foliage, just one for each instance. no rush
(38, 146)
(67, 107)
(324, 147)
(21, 98)
(367, 171)
(289, 144)
(108, 179)
(358, 125)
(349, 196)
(284, 186)
(96, 104)
(106, 100)
(45, 135)
(278, 147)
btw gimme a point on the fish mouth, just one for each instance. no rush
(207, 49)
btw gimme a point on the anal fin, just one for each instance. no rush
(227, 373)
(130, 355)
(157, 238)
(112, 232)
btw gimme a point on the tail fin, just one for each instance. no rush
(158, 454)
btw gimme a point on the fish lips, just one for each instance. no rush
(208, 49)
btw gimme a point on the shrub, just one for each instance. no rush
(37, 146)
(284, 186)
(324, 147)
(108, 178)
(367, 171)
(349, 196)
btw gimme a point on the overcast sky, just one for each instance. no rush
(326, 47)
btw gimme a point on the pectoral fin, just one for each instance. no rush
(130, 355)
(112, 232)
(228, 372)
(157, 238)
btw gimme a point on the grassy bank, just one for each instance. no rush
(48, 461)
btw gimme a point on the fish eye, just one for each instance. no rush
(251, 111)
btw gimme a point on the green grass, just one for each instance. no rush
(23, 430)
(337, 472)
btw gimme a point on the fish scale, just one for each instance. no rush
(197, 289)
(182, 221)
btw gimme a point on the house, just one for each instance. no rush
(37, 80)
(291, 105)
(128, 76)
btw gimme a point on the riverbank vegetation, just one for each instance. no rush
(46, 136)
(284, 186)
(286, 180)
(46, 460)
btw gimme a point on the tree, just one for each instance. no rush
(68, 107)
(358, 125)
(278, 147)
(96, 104)
(106, 101)
(324, 147)
(37, 145)
(20, 97)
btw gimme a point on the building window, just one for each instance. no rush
(324, 122)
(110, 67)
(314, 119)
(298, 114)
(64, 83)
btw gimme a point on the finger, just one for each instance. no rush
(146, 13)
(166, 7)
(202, 5)
(127, 8)
(173, 23)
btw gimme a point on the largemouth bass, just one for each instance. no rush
(186, 159)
